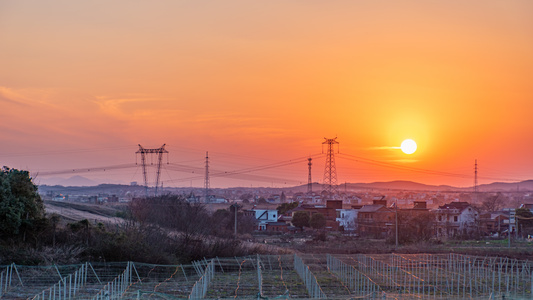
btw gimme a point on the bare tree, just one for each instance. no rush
(492, 203)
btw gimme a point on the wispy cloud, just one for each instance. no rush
(405, 160)
(383, 148)
(8, 95)
(133, 107)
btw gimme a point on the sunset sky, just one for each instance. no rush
(261, 82)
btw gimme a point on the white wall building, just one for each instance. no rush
(456, 218)
(347, 218)
(265, 216)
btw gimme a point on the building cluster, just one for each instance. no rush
(364, 212)
(380, 219)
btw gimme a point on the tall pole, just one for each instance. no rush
(330, 172)
(475, 177)
(396, 216)
(206, 182)
(309, 181)
(235, 207)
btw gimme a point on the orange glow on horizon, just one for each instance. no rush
(269, 81)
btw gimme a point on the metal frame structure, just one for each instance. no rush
(159, 151)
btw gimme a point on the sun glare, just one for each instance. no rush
(408, 146)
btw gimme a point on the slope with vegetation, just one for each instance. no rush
(165, 229)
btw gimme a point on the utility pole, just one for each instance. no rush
(396, 216)
(475, 177)
(309, 181)
(159, 151)
(235, 208)
(206, 182)
(330, 171)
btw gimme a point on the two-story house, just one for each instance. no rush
(456, 218)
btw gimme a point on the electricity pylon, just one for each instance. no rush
(330, 172)
(159, 151)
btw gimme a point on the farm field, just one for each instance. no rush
(360, 276)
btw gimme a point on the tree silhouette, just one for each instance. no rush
(300, 219)
(21, 206)
(317, 221)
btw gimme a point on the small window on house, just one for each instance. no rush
(455, 218)
(440, 218)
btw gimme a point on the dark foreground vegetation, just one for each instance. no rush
(163, 230)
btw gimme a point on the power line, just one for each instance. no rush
(243, 173)
(413, 169)
(87, 170)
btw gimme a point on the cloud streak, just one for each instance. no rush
(383, 148)
(10, 96)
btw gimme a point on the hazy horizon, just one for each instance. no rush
(260, 84)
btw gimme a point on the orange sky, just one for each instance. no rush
(258, 82)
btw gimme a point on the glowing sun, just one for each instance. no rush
(408, 146)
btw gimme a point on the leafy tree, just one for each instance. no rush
(300, 219)
(317, 221)
(21, 206)
(261, 200)
(285, 207)
(246, 197)
(222, 222)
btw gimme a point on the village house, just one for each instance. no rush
(280, 227)
(265, 216)
(493, 223)
(375, 220)
(456, 218)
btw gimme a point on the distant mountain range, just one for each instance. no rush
(74, 181)
(526, 185)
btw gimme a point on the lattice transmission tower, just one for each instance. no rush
(330, 172)
(159, 151)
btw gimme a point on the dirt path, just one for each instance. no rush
(77, 212)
